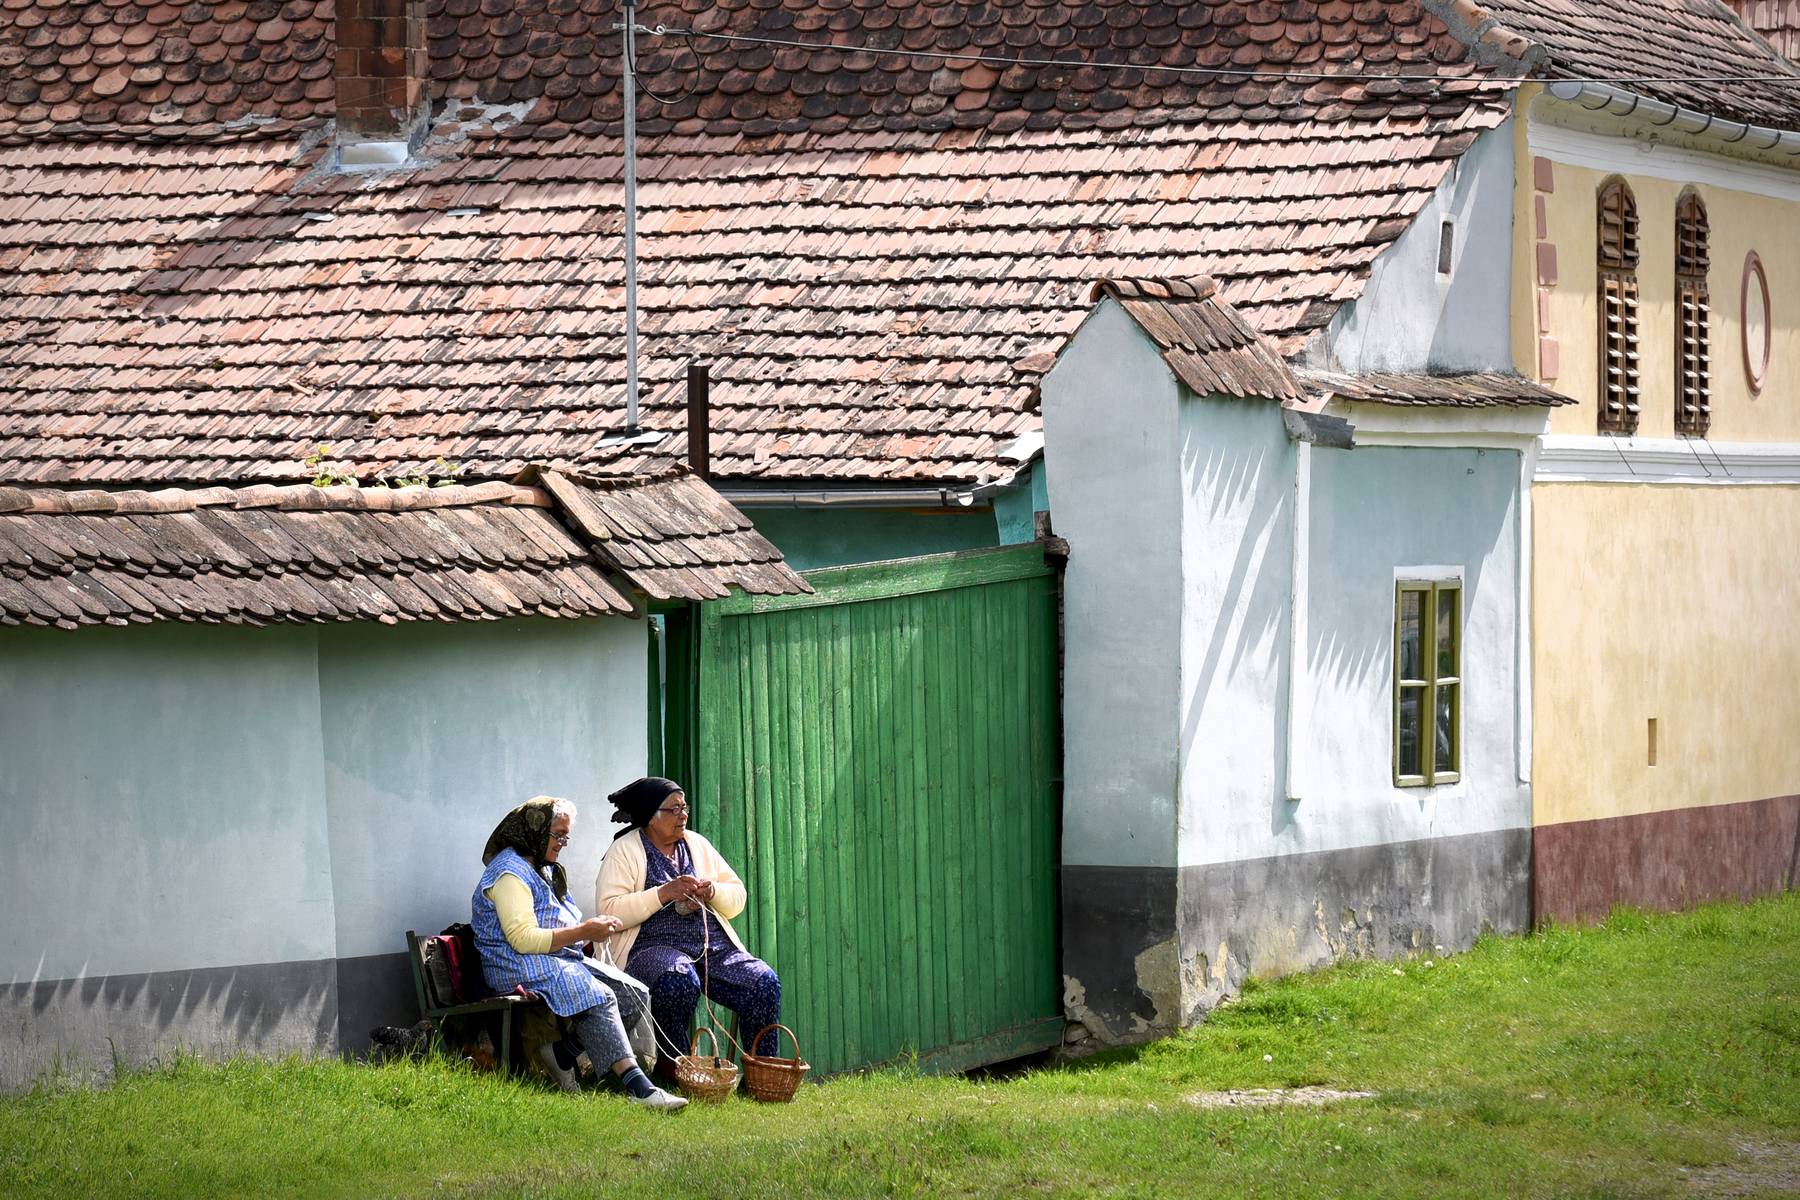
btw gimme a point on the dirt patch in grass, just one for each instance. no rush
(1761, 1169)
(1308, 1097)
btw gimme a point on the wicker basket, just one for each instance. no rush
(770, 1079)
(709, 1078)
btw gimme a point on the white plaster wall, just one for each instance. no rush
(1411, 318)
(159, 800)
(1237, 472)
(432, 732)
(1111, 457)
(1374, 509)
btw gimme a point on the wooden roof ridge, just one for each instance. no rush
(1203, 338)
(1435, 388)
(48, 499)
(670, 534)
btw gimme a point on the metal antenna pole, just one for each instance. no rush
(631, 315)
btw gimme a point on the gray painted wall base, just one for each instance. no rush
(376, 989)
(79, 1028)
(1147, 950)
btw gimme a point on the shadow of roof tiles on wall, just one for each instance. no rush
(872, 308)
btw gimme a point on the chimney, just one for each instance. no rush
(699, 419)
(381, 68)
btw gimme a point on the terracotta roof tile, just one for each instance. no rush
(190, 313)
(1778, 21)
(861, 270)
(1694, 53)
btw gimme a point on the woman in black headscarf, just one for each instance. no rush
(675, 897)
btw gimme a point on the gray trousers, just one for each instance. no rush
(601, 1029)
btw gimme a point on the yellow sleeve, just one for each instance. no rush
(518, 916)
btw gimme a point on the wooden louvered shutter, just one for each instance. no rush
(1693, 385)
(1618, 260)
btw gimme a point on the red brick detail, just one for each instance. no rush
(1546, 264)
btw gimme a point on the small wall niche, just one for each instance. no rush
(1652, 740)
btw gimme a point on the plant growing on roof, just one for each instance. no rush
(328, 472)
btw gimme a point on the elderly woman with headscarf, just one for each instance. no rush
(675, 897)
(529, 935)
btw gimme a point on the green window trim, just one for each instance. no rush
(1427, 682)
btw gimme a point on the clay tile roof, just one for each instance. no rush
(1778, 21)
(1481, 389)
(876, 255)
(463, 554)
(263, 554)
(674, 538)
(1211, 349)
(1693, 53)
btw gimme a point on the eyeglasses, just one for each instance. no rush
(561, 839)
(675, 810)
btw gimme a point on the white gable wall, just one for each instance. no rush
(1112, 459)
(1412, 318)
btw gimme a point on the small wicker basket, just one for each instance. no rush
(708, 1078)
(770, 1079)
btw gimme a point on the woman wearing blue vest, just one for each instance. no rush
(530, 936)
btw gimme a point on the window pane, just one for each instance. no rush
(1444, 748)
(1410, 733)
(1447, 599)
(1412, 635)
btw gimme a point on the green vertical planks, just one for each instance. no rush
(879, 759)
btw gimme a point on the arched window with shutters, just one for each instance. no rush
(1618, 261)
(1693, 383)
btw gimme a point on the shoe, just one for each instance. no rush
(659, 1101)
(563, 1077)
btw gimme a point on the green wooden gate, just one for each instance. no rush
(879, 760)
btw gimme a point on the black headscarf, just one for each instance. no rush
(635, 803)
(526, 831)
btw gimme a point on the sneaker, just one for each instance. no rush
(659, 1101)
(563, 1076)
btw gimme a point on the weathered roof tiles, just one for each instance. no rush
(263, 554)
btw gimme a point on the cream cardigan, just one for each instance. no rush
(620, 890)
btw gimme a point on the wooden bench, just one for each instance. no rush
(438, 1009)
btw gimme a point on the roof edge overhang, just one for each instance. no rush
(829, 495)
(1634, 112)
(1487, 427)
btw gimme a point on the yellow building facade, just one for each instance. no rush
(1666, 566)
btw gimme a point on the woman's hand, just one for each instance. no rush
(601, 928)
(680, 888)
(594, 929)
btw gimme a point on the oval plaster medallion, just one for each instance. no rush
(1755, 309)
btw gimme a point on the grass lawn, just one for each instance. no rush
(1653, 1056)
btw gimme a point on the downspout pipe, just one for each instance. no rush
(1620, 102)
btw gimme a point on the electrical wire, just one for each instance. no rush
(693, 50)
(998, 60)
